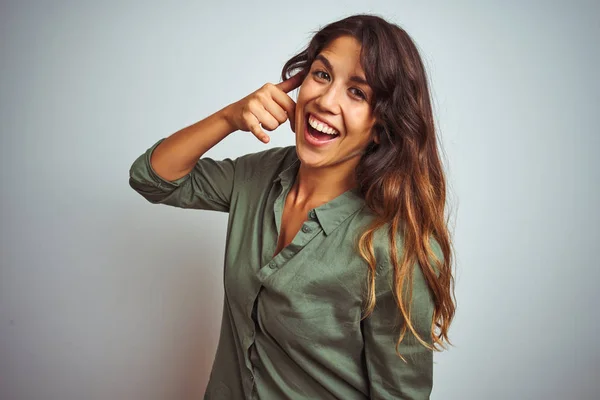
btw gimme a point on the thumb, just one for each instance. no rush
(291, 83)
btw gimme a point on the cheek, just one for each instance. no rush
(356, 121)
(301, 99)
(308, 89)
(299, 112)
(361, 128)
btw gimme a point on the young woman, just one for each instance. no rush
(337, 271)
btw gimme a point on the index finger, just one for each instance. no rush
(291, 83)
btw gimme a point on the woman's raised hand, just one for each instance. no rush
(269, 106)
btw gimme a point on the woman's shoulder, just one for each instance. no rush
(382, 247)
(265, 165)
(273, 155)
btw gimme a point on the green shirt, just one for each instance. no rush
(291, 325)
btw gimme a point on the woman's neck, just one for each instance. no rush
(316, 186)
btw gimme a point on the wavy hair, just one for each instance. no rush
(401, 178)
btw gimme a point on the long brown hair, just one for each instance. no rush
(401, 178)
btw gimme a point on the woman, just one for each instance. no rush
(337, 268)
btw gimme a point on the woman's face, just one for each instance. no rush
(335, 98)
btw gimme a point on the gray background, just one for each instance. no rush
(105, 296)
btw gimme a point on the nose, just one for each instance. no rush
(329, 100)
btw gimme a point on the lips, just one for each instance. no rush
(316, 138)
(321, 120)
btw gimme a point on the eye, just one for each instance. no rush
(359, 93)
(321, 74)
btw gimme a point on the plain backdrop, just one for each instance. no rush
(104, 296)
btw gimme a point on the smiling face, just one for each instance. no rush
(333, 112)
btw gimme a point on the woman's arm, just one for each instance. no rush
(389, 376)
(176, 155)
(173, 170)
(270, 106)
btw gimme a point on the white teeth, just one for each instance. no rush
(321, 127)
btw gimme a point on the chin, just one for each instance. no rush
(307, 157)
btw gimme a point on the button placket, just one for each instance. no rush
(307, 232)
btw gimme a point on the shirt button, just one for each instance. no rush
(305, 229)
(272, 265)
(312, 214)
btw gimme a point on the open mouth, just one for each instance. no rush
(318, 135)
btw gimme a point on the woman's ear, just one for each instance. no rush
(378, 129)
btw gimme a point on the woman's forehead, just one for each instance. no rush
(343, 56)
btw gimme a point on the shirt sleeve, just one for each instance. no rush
(389, 376)
(208, 186)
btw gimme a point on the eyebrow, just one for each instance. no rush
(353, 78)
